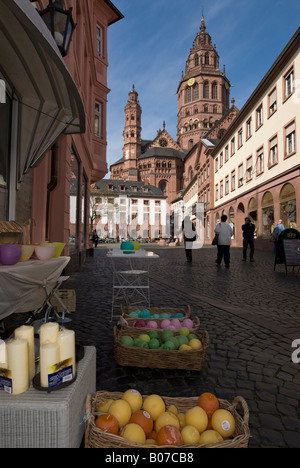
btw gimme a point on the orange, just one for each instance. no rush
(209, 402)
(107, 423)
(143, 419)
(169, 435)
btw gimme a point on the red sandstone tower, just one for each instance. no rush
(203, 92)
(132, 136)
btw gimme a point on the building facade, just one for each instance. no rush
(256, 164)
(53, 192)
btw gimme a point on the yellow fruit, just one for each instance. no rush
(155, 405)
(223, 422)
(195, 343)
(134, 398)
(173, 409)
(181, 417)
(190, 435)
(196, 417)
(121, 410)
(210, 437)
(134, 433)
(185, 347)
(150, 442)
(166, 419)
(104, 406)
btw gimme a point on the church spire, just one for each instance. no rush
(202, 26)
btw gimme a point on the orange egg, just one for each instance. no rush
(107, 423)
(143, 419)
(209, 402)
(169, 435)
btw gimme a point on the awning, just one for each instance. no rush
(32, 66)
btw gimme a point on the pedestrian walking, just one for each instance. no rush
(248, 238)
(188, 236)
(95, 238)
(224, 231)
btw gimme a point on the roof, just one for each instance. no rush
(157, 151)
(128, 188)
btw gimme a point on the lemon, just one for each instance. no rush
(190, 435)
(196, 417)
(195, 343)
(166, 419)
(134, 433)
(134, 398)
(210, 437)
(121, 410)
(185, 347)
(154, 405)
(223, 422)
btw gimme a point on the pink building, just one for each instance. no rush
(59, 150)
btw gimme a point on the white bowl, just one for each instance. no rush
(44, 253)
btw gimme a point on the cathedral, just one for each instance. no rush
(204, 114)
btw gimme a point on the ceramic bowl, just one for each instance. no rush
(44, 253)
(27, 252)
(59, 248)
(10, 254)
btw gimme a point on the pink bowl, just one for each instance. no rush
(44, 253)
(10, 254)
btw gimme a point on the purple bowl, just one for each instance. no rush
(10, 254)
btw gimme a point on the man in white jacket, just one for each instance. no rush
(224, 231)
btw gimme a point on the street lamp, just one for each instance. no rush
(60, 24)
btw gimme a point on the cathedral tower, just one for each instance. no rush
(203, 92)
(132, 136)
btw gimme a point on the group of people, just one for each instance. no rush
(224, 234)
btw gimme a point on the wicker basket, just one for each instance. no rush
(129, 325)
(125, 311)
(96, 438)
(68, 297)
(133, 356)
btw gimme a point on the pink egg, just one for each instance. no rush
(176, 323)
(171, 327)
(165, 323)
(188, 323)
(152, 324)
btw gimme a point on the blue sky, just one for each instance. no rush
(150, 45)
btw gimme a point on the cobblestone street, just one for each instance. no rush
(250, 312)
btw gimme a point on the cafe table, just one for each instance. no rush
(25, 286)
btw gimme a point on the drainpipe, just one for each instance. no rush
(52, 184)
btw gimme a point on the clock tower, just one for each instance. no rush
(203, 92)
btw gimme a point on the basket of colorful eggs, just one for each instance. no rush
(132, 314)
(192, 324)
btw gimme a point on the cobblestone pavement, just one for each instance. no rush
(252, 316)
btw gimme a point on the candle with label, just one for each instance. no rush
(49, 357)
(26, 332)
(17, 356)
(49, 333)
(66, 341)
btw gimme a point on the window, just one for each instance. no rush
(259, 116)
(188, 95)
(233, 180)
(98, 119)
(232, 146)
(221, 159)
(214, 91)
(217, 192)
(290, 147)
(226, 153)
(206, 90)
(99, 31)
(221, 189)
(226, 185)
(272, 101)
(249, 169)
(289, 83)
(240, 137)
(195, 92)
(249, 128)
(217, 165)
(273, 153)
(241, 175)
(260, 161)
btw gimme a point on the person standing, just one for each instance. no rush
(248, 238)
(224, 231)
(276, 233)
(188, 236)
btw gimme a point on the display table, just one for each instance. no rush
(37, 419)
(25, 286)
(130, 277)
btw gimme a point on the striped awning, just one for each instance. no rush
(10, 226)
(46, 99)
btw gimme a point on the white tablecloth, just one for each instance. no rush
(25, 286)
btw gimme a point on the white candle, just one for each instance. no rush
(3, 355)
(49, 333)
(49, 356)
(17, 354)
(26, 332)
(66, 341)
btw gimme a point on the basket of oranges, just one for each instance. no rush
(133, 420)
(161, 349)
